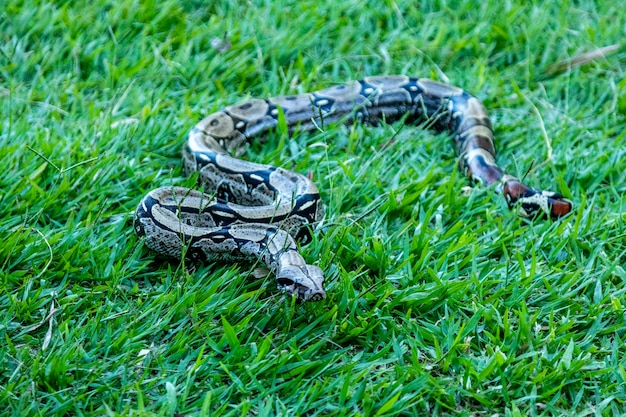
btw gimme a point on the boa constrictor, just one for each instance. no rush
(254, 211)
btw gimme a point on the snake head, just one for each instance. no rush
(307, 282)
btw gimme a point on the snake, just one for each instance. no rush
(259, 212)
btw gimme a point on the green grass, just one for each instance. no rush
(440, 300)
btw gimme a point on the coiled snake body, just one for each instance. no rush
(255, 211)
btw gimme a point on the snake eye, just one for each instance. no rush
(285, 282)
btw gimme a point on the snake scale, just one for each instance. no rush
(258, 212)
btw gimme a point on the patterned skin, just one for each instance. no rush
(255, 211)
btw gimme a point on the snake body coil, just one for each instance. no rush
(255, 211)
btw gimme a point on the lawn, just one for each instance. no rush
(441, 301)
